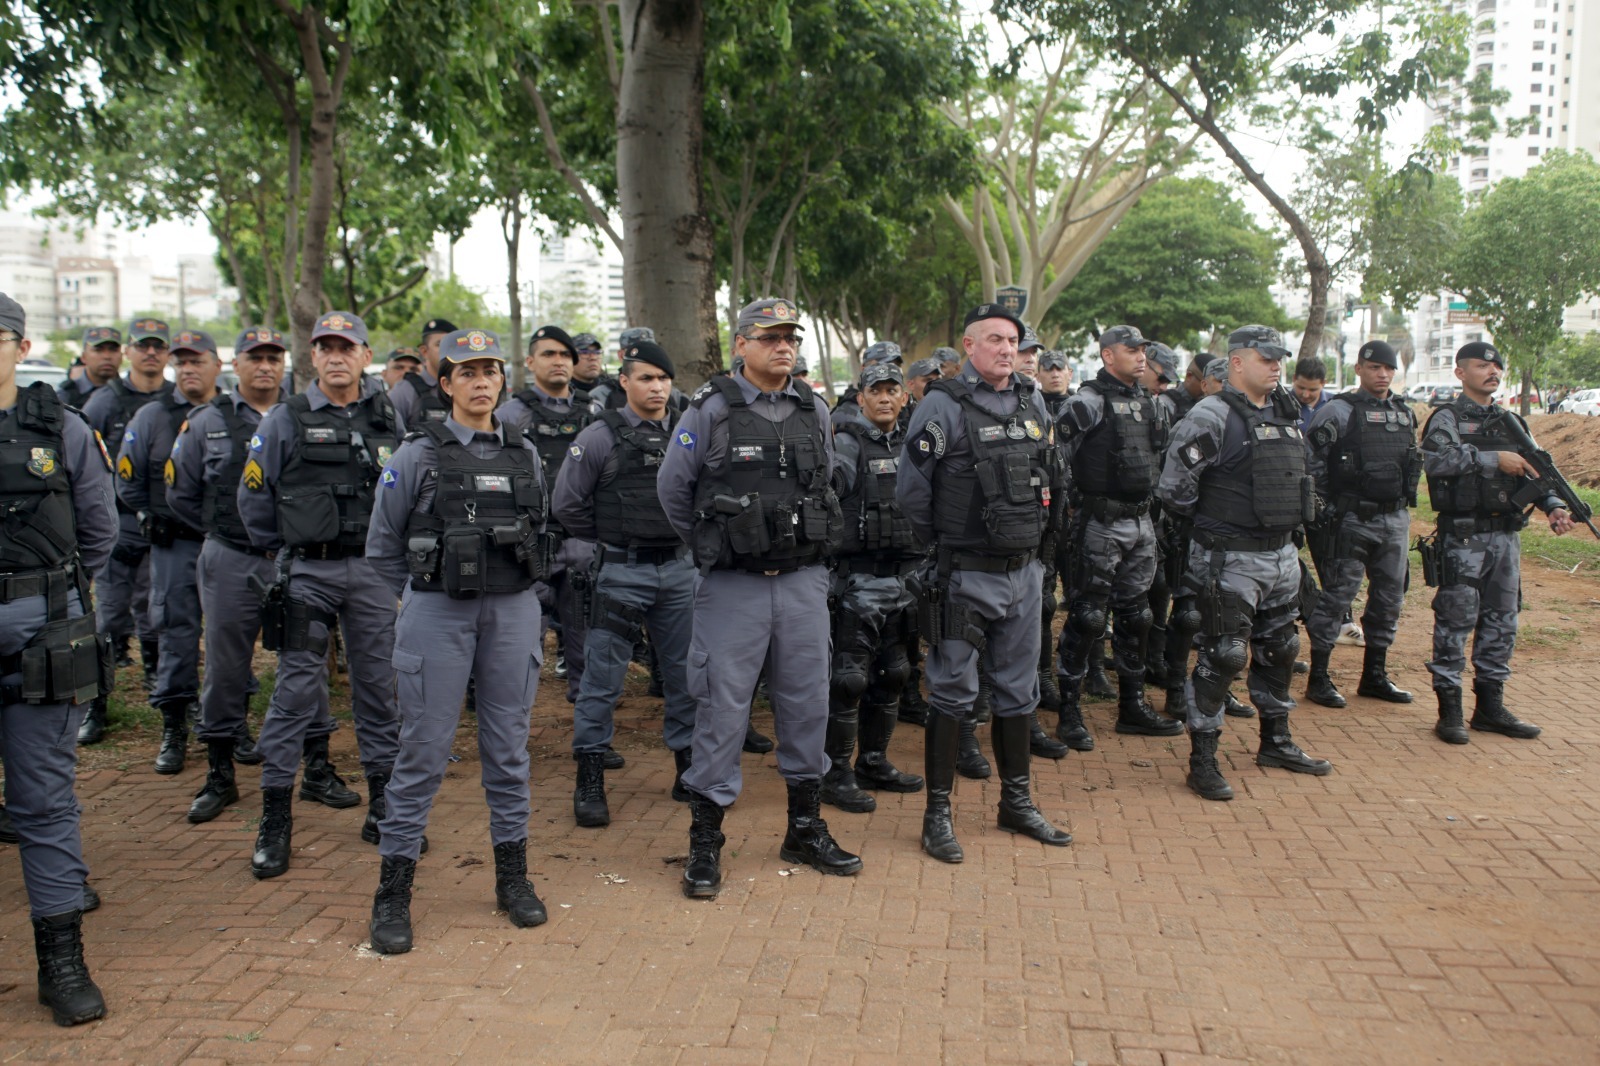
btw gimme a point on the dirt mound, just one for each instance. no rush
(1573, 441)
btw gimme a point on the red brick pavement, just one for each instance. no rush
(1423, 904)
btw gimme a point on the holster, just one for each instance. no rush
(1429, 551)
(298, 618)
(130, 554)
(930, 613)
(1221, 612)
(274, 613)
(65, 662)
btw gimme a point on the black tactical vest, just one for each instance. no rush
(1054, 402)
(219, 505)
(1182, 402)
(873, 522)
(1001, 505)
(128, 403)
(1263, 484)
(627, 511)
(479, 533)
(770, 506)
(431, 403)
(325, 490)
(39, 530)
(178, 410)
(1376, 459)
(1477, 494)
(553, 429)
(1120, 458)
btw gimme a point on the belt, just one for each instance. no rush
(1467, 525)
(1109, 509)
(1365, 509)
(331, 551)
(1212, 542)
(767, 571)
(990, 564)
(246, 549)
(866, 564)
(645, 556)
(34, 583)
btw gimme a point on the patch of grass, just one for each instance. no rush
(1547, 636)
(245, 1038)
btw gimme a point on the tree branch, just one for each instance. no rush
(552, 151)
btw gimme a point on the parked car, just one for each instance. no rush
(29, 371)
(1442, 395)
(1582, 402)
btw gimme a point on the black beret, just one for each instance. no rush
(652, 353)
(557, 334)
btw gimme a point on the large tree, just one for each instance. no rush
(1528, 251)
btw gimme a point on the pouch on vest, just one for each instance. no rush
(422, 557)
(785, 524)
(746, 526)
(822, 522)
(67, 662)
(463, 560)
(308, 516)
(1383, 482)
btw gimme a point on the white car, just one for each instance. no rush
(1582, 402)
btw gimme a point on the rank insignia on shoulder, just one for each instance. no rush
(254, 478)
(169, 473)
(125, 468)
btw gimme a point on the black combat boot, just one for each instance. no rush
(174, 736)
(390, 928)
(808, 839)
(702, 874)
(219, 789)
(1278, 749)
(612, 760)
(8, 830)
(1451, 729)
(513, 892)
(64, 983)
(1155, 657)
(755, 743)
(149, 656)
(873, 768)
(122, 648)
(939, 763)
(273, 838)
(1095, 681)
(1136, 717)
(839, 785)
(589, 807)
(244, 746)
(1070, 729)
(1049, 693)
(1319, 686)
(1205, 776)
(914, 709)
(681, 761)
(91, 898)
(969, 755)
(1017, 812)
(1176, 707)
(1490, 714)
(377, 807)
(320, 782)
(1041, 743)
(1375, 681)
(1234, 707)
(93, 729)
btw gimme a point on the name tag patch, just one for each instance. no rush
(987, 433)
(321, 435)
(747, 453)
(884, 466)
(491, 483)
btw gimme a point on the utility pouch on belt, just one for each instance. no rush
(746, 526)
(463, 559)
(1428, 548)
(65, 663)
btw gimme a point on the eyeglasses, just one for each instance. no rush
(151, 345)
(10, 337)
(772, 340)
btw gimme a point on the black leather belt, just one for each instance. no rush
(1468, 525)
(15, 587)
(247, 549)
(990, 564)
(866, 564)
(1107, 509)
(1215, 543)
(331, 552)
(640, 556)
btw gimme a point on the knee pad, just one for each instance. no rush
(894, 668)
(1210, 687)
(849, 675)
(1088, 617)
(1136, 621)
(1228, 654)
(1279, 649)
(1185, 615)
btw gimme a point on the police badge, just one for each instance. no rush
(41, 462)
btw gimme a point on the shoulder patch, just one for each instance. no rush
(934, 433)
(125, 468)
(254, 478)
(388, 477)
(685, 439)
(1440, 438)
(1325, 435)
(576, 451)
(255, 443)
(101, 442)
(129, 436)
(1198, 451)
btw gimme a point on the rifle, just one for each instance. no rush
(1547, 480)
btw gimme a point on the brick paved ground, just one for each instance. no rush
(1422, 904)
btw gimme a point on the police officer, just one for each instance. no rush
(606, 492)
(552, 413)
(455, 533)
(1160, 374)
(1028, 350)
(918, 376)
(1112, 437)
(1182, 397)
(1053, 377)
(1366, 463)
(1474, 471)
(174, 543)
(1055, 381)
(1237, 468)
(416, 396)
(872, 596)
(122, 586)
(401, 362)
(306, 494)
(949, 361)
(745, 484)
(589, 372)
(208, 462)
(849, 407)
(977, 485)
(55, 481)
(608, 394)
(101, 358)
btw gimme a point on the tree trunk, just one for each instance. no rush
(511, 230)
(1527, 389)
(668, 262)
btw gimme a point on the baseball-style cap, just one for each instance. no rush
(652, 353)
(1164, 359)
(193, 340)
(258, 337)
(1264, 339)
(553, 333)
(983, 311)
(12, 318)
(1030, 340)
(144, 328)
(882, 352)
(404, 353)
(923, 368)
(1217, 370)
(1480, 350)
(437, 325)
(93, 338)
(585, 342)
(1052, 360)
(875, 373)
(1378, 352)
(946, 355)
(802, 365)
(1128, 335)
(344, 324)
(465, 345)
(634, 335)
(768, 312)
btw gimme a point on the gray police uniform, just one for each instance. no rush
(1112, 437)
(122, 585)
(1479, 562)
(455, 509)
(417, 399)
(307, 494)
(607, 492)
(553, 424)
(207, 464)
(74, 392)
(1239, 472)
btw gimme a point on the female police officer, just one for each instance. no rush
(454, 530)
